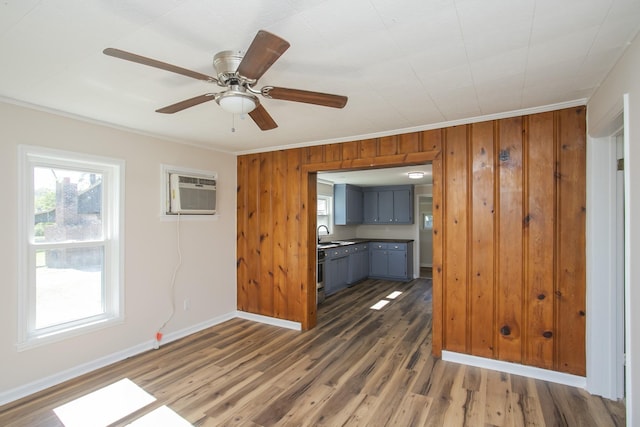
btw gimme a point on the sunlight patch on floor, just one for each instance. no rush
(394, 295)
(161, 417)
(112, 403)
(379, 304)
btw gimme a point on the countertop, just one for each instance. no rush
(347, 242)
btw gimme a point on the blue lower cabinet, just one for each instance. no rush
(336, 269)
(358, 263)
(347, 265)
(391, 261)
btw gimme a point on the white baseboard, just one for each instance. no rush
(173, 336)
(44, 383)
(60, 377)
(516, 369)
(269, 320)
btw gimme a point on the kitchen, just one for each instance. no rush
(370, 224)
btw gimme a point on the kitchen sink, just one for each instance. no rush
(334, 244)
(327, 245)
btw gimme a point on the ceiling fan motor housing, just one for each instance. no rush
(226, 64)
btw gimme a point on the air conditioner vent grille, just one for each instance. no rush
(195, 180)
(192, 195)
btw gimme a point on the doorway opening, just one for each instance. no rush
(425, 234)
(416, 232)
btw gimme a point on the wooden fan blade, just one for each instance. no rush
(308, 97)
(262, 118)
(183, 105)
(264, 50)
(128, 56)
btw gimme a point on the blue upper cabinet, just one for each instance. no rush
(403, 205)
(370, 206)
(388, 204)
(347, 204)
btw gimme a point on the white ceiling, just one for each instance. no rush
(404, 64)
(373, 177)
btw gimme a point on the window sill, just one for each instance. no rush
(53, 337)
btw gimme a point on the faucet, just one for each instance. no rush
(325, 227)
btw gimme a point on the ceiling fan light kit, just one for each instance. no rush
(237, 101)
(238, 73)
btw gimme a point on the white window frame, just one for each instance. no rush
(329, 215)
(112, 171)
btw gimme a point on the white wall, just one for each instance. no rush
(602, 108)
(207, 276)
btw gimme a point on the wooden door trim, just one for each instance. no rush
(309, 191)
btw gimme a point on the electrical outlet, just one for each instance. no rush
(187, 304)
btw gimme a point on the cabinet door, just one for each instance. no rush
(370, 207)
(342, 271)
(330, 273)
(378, 262)
(355, 265)
(402, 207)
(385, 207)
(347, 204)
(358, 264)
(397, 264)
(364, 266)
(354, 205)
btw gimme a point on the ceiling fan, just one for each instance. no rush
(239, 74)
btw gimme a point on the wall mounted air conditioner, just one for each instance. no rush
(189, 194)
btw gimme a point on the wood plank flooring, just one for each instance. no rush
(359, 367)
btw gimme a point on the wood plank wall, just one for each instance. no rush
(509, 233)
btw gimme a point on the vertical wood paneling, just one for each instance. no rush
(350, 150)
(509, 242)
(315, 154)
(333, 152)
(482, 240)
(438, 252)
(510, 261)
(539, 242)
(388, 145)
(280, 262)
(308, 223)
(253, 290)
(242, 228)
(455, 229)
(409, 143)
(265, 250)
(570, 291)
(294, 236)
(432, 140)
(368, 148)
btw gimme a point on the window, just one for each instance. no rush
(71, 244)
(325, 211)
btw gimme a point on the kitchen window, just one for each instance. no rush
(71, 244)
(325, 212)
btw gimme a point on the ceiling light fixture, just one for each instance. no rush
(237, 101)
(416, 175)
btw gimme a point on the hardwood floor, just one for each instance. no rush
(359, 367)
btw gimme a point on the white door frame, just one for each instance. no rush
(605, 272)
